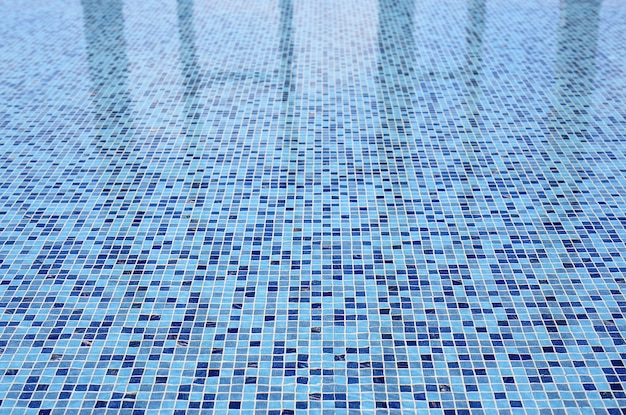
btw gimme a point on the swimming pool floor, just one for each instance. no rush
(312, 206)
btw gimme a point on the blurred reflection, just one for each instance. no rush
(471, 74)
(285, 80)
(286, 47)
(108, 68)
(574, 67)
(289, 139)
(391, 165)
(395, 67)
(574, 70)
(191, 75)
(196, 80)
(567, 130)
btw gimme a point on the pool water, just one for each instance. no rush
(325, 207)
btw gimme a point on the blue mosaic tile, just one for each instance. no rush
(325, 207)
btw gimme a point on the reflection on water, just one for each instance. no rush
(288, 141)
(286, 46)
(474, 161)
(471, 73)
(188, 54)
(392, 171)
(109, 72)
(108, 63)
(285, 75)
(574, 66)
(197, 80)
(567, 135)
(395, 66)
(574, 71)
(192, 78)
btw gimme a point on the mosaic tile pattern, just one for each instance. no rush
(325, 207)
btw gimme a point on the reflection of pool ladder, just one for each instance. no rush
(281, 155)
(564, 132)
(195, 81)
(566, 127)
(574, 71)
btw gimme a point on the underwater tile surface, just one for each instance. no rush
(303, 206)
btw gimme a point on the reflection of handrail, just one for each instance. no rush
(188, 55)
(109, 72)
(574, 70)
(106, 55)
(224, 77)
(395, 144)
(574, 67)
(195, 80)
(286, 47)
(395, 63)
(470, 75)
(472, 71)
